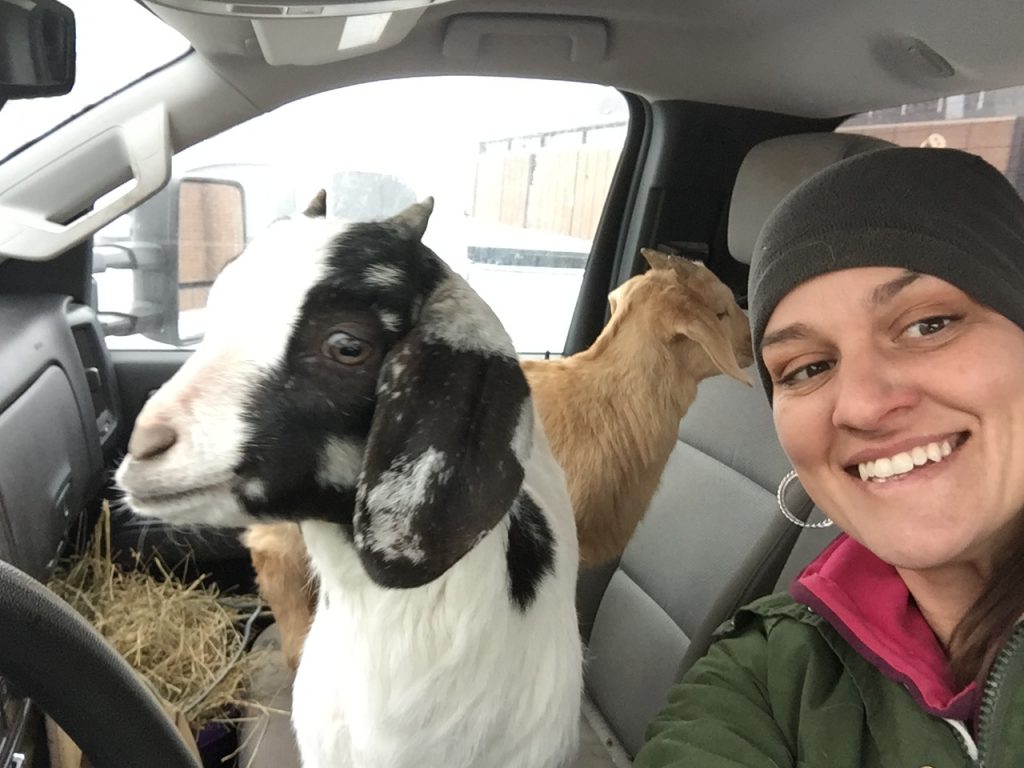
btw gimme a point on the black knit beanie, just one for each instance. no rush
(940, 212)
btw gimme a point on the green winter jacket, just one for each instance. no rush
(782, 689)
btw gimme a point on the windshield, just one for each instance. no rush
(118, 41)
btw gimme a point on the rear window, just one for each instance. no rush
(988, 123)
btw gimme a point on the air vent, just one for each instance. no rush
(97, 368)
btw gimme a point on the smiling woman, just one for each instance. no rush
(887, 306)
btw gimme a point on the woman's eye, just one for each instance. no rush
(929, 326)
(806, 372)
(345, 348)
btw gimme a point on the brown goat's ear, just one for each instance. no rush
(317, 208)
(443, 461)
(700, 324)
(684, 266)
(660, 260)
(657, 259)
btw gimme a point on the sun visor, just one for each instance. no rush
(302, 32)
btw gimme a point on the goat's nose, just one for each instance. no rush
(151, 440)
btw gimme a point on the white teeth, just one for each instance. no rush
(901, 463)
(883, 468)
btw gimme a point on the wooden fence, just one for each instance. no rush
(552, 189)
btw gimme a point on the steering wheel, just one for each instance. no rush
(53, 656)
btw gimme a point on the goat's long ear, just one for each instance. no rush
(699, 323)
(444, 458)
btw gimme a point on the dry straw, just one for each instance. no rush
(182, 637)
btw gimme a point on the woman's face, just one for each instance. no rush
(900, 402)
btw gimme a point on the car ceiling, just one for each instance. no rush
(815, 58)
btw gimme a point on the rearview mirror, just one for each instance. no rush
(37, 49)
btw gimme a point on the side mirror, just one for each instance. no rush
(179, 241)
(37, 49)
(211, 232)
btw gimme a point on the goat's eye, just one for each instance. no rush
(722, 315)
(345, 348)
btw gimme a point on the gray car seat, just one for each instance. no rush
(711, 541)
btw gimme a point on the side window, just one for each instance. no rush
(519, 170)
(988, 123)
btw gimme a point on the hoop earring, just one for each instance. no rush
(781, 498)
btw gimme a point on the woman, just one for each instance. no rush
(887, 306)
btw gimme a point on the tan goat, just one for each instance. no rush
(611, 414)
(612, 411)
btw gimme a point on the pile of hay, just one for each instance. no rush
(181, 637)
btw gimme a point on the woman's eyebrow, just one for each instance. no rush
(794, 332)
(880, 295)
(887, 291)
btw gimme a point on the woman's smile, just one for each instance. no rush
(898, 463)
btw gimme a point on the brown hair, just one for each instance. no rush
(986, 626)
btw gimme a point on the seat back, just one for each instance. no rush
(711, 541)
(773, 168)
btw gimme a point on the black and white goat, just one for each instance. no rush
(350, 381)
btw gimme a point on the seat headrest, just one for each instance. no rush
(775, 167)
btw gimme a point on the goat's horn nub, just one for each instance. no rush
(415, 217)
(317, 208)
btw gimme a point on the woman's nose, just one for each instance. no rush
(870, 390)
